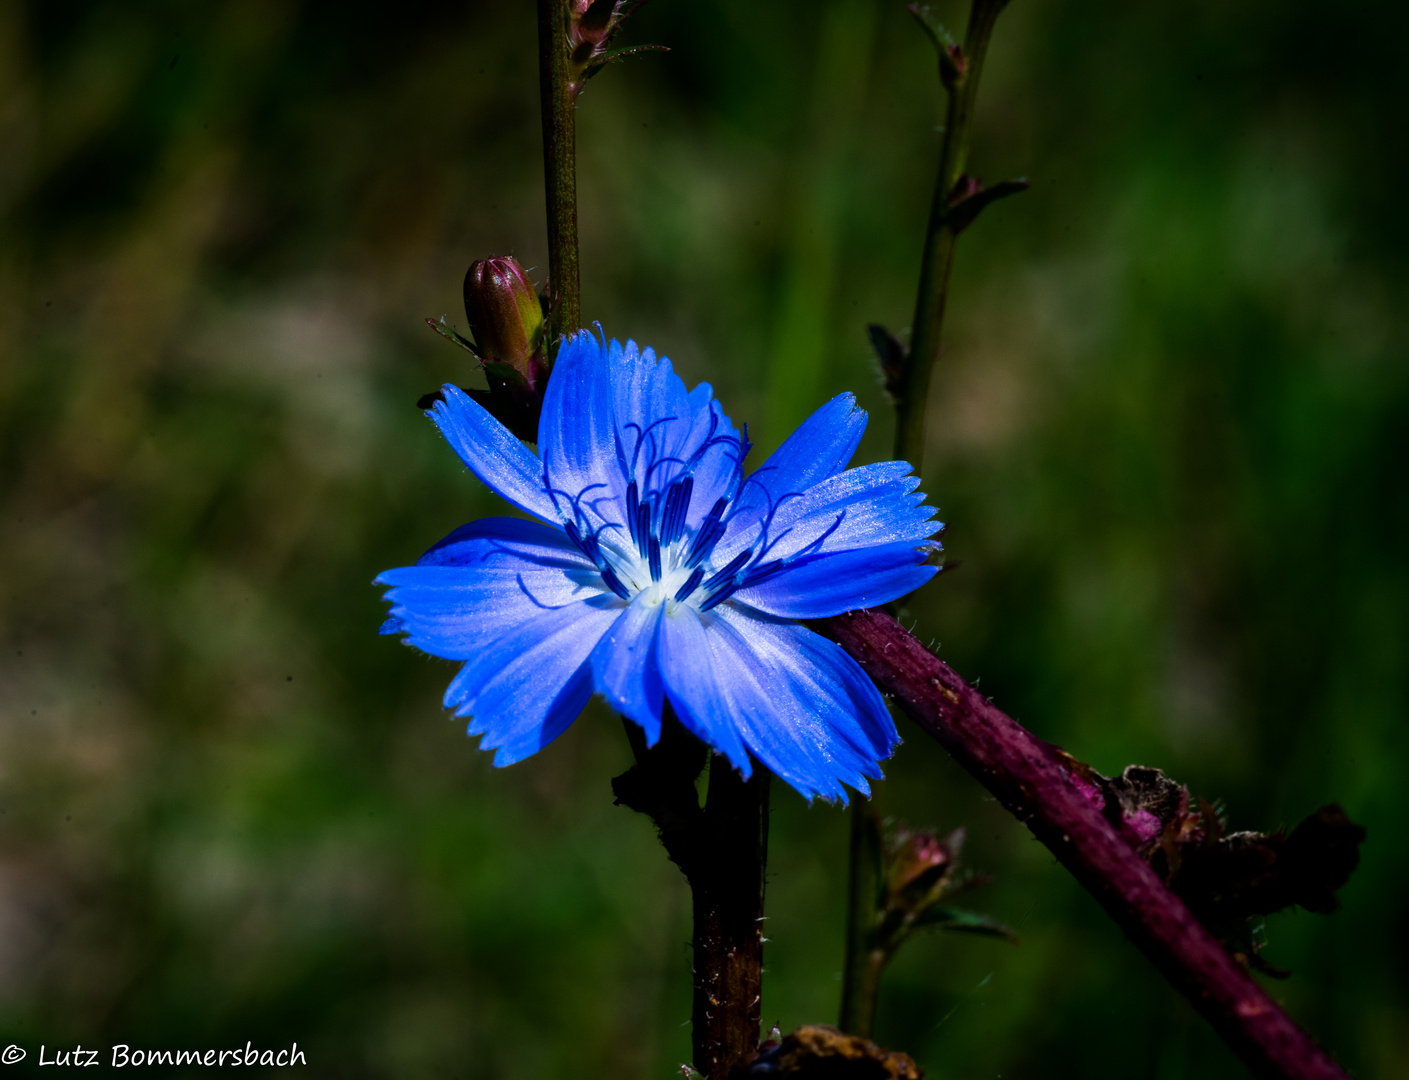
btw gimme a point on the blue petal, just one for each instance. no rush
(507, 467)
(839, 726)
(718, 471)
(575, 433)
(799, 703)
(530, 682)
(484, 542)
(696, 693)
(646, 390)
(819, 586)
(864, 507)
(660, 427)
(482, 581)
(626, 669)
(819, 448)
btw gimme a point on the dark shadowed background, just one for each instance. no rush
(1169, 436)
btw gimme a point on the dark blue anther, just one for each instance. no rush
(633, 506)
(761, 572)
(643, 527)
(655, 559)
(690, 585)
(677, 505)
(719, 597)
(614, 583)
(737, 563)
(708, 535)
(585, 544)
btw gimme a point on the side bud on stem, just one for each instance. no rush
(505, 313)
(592, 25)
(506, 319)
(510, 343)
(907, 881)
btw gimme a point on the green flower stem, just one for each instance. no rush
(862, 974)
(861, 979)
(558, 99)
(940, 237)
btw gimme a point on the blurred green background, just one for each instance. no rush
(1169, 436)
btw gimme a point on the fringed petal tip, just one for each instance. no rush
(835, 794)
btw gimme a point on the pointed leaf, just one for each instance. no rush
(968, 922)
(448, 332)
(963, 210)
(952, 63)
(929, 21)
(892, 354)
(614, 56)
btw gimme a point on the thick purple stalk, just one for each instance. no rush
(1029, 777)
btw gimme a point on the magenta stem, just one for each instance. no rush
(1030, 778)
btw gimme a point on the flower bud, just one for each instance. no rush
(506, 317)
(918, 862)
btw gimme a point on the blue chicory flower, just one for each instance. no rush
(658, 571)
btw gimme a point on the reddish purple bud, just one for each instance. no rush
(592, 21)
(506, 317)
(953, 64)
(919, 861)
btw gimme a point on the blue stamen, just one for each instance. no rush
(691, 585)
(816, 545)
(708, 535)
(719, 597)
(708, 441)
(641, 434)
(737, 563)
(655, 559)
(677, 505)
(633, 506)
(657, 462)
(614, 583)
(643, 526)
(585, 544)
(762, 572)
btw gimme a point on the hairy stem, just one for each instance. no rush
(722, 848)
(728, 908)
(940, 237)
(559, 104)
(1031, 779)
